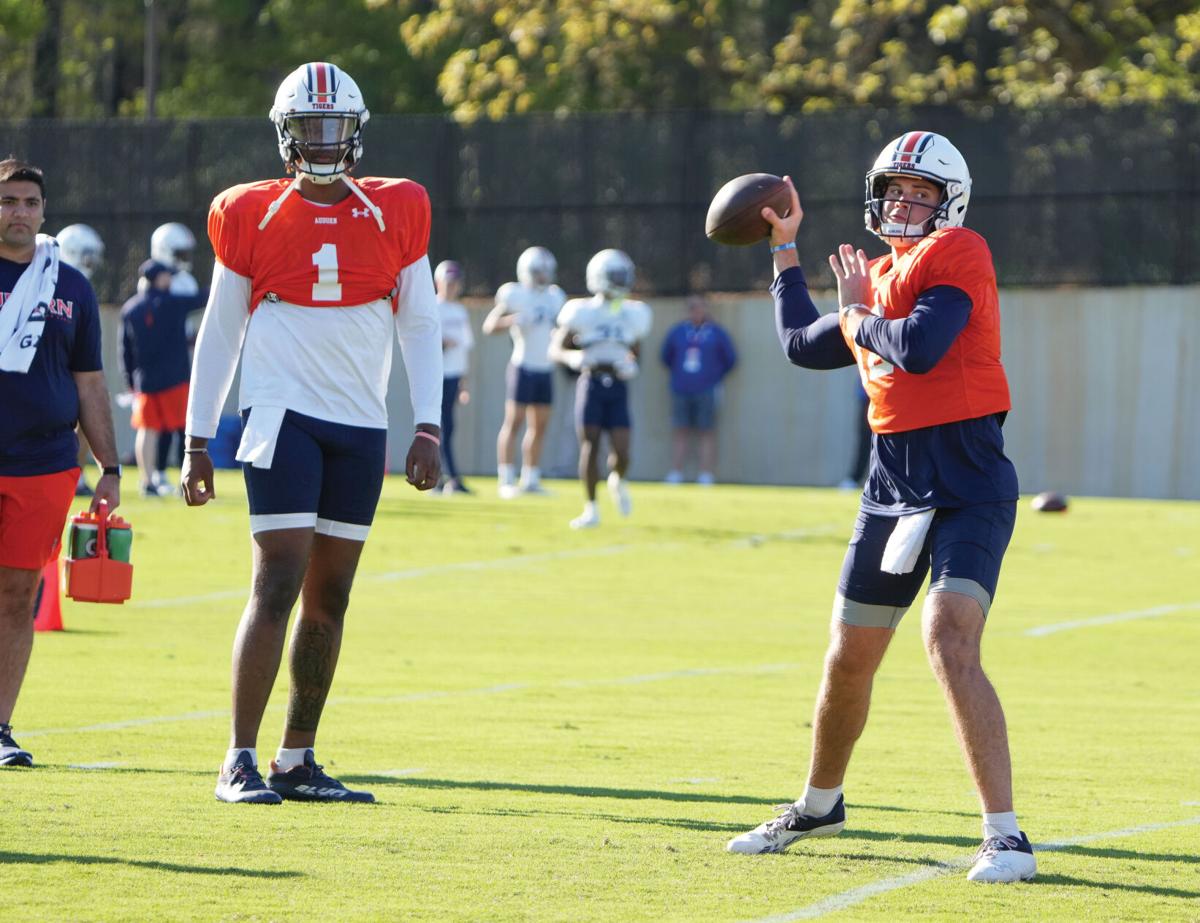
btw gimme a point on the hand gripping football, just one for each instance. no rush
(734, 215)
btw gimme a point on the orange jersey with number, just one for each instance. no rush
(320, 256)
(968, 381)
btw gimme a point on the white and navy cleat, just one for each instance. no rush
(1004, 859)
(791, 825)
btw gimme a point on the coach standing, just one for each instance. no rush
(50, 378)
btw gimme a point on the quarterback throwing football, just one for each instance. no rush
(313, 273)
(922, 324)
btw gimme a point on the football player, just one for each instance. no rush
(315, 274)
(599, 337)
(174, 246)
(922, 323)
(527, 309)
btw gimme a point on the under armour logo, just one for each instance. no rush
(360, 212)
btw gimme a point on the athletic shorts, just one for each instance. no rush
(962, 554)
(525, 386)
(164, 411)
(33, 510)
(323, 475)
(694, 411)
(601, 400)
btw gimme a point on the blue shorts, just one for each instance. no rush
(694, 411)
(601, 400)
(323, 475)
(962, 554)
(526, 386)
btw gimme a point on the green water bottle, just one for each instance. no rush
(81, 540)
(120, 542)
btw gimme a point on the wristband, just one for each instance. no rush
(851, 307)
(790, 245)
(430, 436)
(195, 451)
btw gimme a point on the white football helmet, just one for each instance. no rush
(610, 273)
(82, 247)
(319, 115)
(927, 156)
(172, 244)
(536, 267)
(447, 271)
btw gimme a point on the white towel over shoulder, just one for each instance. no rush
(905, 544)
(23, 315)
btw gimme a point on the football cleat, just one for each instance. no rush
(242, 783)
(308, 782)
(588, 519)
(619, 490)
(10, 753)
(1004, 859)
(778, 834)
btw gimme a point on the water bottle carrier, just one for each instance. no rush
(99, 579)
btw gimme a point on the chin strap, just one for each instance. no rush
(275, 206)
(374, 209)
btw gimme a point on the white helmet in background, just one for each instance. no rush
(927, 156)
(536, 267)
(172, 244)
(447, 271)
(82, 247)
(319, 114)
(610, 273)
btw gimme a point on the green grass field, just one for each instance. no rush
(565, 726)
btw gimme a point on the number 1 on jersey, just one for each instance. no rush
(327, 287)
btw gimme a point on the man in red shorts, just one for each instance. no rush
(154, 354)
(50, 378)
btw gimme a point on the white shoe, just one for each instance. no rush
(588, 519)
(780, 832)
(673, 477)
(705, 479)
(619, 491)
(509, 491)
(1004, 859)
(536, 490)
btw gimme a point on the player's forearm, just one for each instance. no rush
(809, 339)
(916, 343)
(95, 417)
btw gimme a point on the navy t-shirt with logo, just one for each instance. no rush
(39, 409)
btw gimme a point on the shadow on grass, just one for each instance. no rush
(1133, 854)
(1073, 882)
(25, 858)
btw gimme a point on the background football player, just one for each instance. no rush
(528, 310)
(600, 337)
(314, 276)
(922, 323)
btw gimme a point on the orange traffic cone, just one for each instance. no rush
(48, 612)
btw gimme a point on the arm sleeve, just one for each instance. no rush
(916, 343)
(85, 351)
(218, 347)
(420, 335)
(809, 339)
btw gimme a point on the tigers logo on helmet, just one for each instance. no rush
(321, 81)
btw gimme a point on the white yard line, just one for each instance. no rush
(1043, 630)
(846, 899)
(429, 695)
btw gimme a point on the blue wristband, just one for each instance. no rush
(790, 245)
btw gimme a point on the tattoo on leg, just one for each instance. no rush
(314, 655)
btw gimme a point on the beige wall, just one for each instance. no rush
(1105, 382)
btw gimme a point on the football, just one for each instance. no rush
(1049, 502)
(734, 215)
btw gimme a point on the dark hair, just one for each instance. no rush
(18, 171)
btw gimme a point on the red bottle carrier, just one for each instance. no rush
(99, 579)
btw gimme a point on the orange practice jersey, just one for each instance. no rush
(969, 380)
(320, 256)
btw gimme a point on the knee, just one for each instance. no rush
(332, 599)
(951, 655)
(847, 664)
(274, 595)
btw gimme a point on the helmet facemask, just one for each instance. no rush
(321, 145)
(877, 203)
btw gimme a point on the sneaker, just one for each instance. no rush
(619, 490)
(673, 477)
(588, 519)
(1004, 859)
(778, 834)
(10, 753)
(455, 486)
(308, 782)
(536, 490)
(242, 783)
(705, 479)
(509, 491)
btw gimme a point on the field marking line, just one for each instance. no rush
(846, 899)
(432, 694)
(1042, 630)
(415, 573)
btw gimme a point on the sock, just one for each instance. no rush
(1002, 824)
(505, 473)
(286, 759)
(530, 476)
(231, 757)
(589, 508)
(820, 801)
